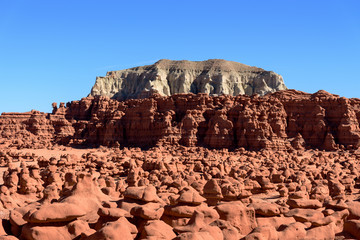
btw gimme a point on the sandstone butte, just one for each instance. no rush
(187, 166)
(167, 77)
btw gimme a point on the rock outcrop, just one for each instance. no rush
(197, 177)
(175, 192)
(166, 77)
(283, 120)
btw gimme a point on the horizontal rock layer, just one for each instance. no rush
(282, 120)
(166, 77)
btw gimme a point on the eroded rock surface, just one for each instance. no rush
(166, 77)
(283, 120)
(176, 192)
(282, 166)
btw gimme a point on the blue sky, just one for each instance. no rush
(51, 51)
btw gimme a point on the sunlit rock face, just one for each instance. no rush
(282, 120)
(167, 77)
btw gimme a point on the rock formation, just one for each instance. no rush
(282, 166)
(166, 77)
(175, 192)
(281, 120)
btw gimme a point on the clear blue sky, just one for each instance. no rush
(51, 51)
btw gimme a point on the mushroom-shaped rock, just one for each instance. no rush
(188, 211)
(113, 212)
(292, 231)
(117, 230)
(264, 232)
(338, 204)
(305, 215)
(212, 192)
(149, 211)
(77, 227)
(299, 195)
(188, 195)
(144, 193)
(266, 209)
(45, 233)
(157, 229)
(56, 212)
(323, 232)
(197, 224)
(274, 221)
(229, 231)
(194, 225)
(337, 218)
(87, 196)
(109, 215)
(241, 217)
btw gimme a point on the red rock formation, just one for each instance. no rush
(287, 190)
(176, 192)
(220, 131)
(188, 129)
(280, 121)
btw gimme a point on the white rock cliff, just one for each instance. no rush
(167, 77)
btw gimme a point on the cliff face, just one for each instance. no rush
(282, 120)
(168, 77)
